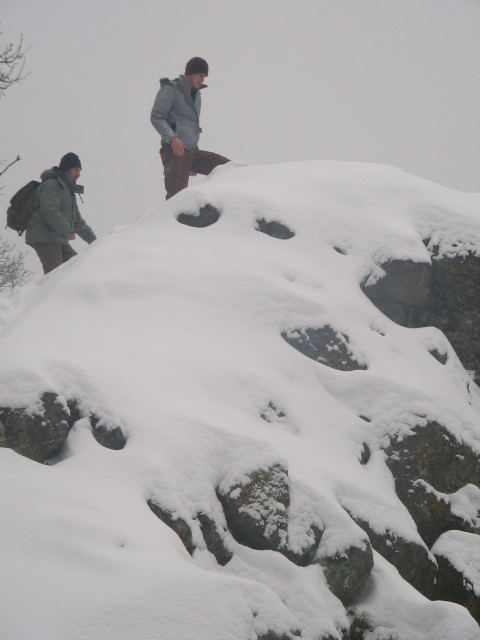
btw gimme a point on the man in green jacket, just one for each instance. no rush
(56, 218)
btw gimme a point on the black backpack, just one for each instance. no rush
(21, 207)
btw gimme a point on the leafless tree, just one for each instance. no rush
(12, 266)
(13, 272)
(12, 63)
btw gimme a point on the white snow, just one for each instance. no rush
(174, 334)
(462, 550)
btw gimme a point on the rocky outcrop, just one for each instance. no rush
(204, 217)
(256, 508)
(427, 466)
(346, 570)
(325, 345)
(458, 576)
(444, 293)
(38, 434)
(274, 228)
(402, 293)
(109, 437)
(179, 525)
(412, 560)
(214, 537)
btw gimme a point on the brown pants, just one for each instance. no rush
(52, 254)
(177, 170)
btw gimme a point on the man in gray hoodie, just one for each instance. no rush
(56, 218)
(176, 117)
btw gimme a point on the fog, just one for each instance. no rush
(384, 81)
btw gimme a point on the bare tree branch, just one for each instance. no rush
(17, 159)
(12, 62)
(12, 266)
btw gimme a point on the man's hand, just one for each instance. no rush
(178, 147)
(72, 237)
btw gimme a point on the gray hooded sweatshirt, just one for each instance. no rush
(176, 114)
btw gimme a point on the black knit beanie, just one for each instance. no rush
(196, 65)
(69, 161)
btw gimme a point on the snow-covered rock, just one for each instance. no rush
(224, 352)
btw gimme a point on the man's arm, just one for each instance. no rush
(82, 228)
(161, 107)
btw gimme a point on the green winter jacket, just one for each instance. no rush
(55, 212)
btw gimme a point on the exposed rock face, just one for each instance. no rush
(433, 454)
(39, 435)
(427, 466)
(109, 437)
(324, 345)
(206, 216)
(213, 534)
(256, 510)
(402, 294)
(454, 582)
(411, 559)
(179, 525)
(214, 540)
(259, 515)
(274, 229)
(346, 571)
(444, 294)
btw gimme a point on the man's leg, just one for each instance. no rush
(176, 169)
(67, 252)
(52, 254)
(206, 161)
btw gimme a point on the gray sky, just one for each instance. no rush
(391, 81)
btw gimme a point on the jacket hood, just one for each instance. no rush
(56, 174)
(174, 83)
(50, 174)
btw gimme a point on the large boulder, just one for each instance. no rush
(38, 434)
(260, 515)
(412, 560)
(255, 508)
(428, 465)
(458, 557)
(444, 294)
(346, 570)
(403, 291)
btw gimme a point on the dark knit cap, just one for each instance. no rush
(196, 65)
(69, 161)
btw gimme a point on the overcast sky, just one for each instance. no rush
(389, 81)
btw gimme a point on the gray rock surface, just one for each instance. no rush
(347, 570)
(411, 559)
(444, 294)
(206, 216)
(274, 229)
(324, 345)
(38, 435)
(256, 510)
(109, 437)
(427, 466)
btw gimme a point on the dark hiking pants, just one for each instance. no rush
(177, 170)
(52, 254)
